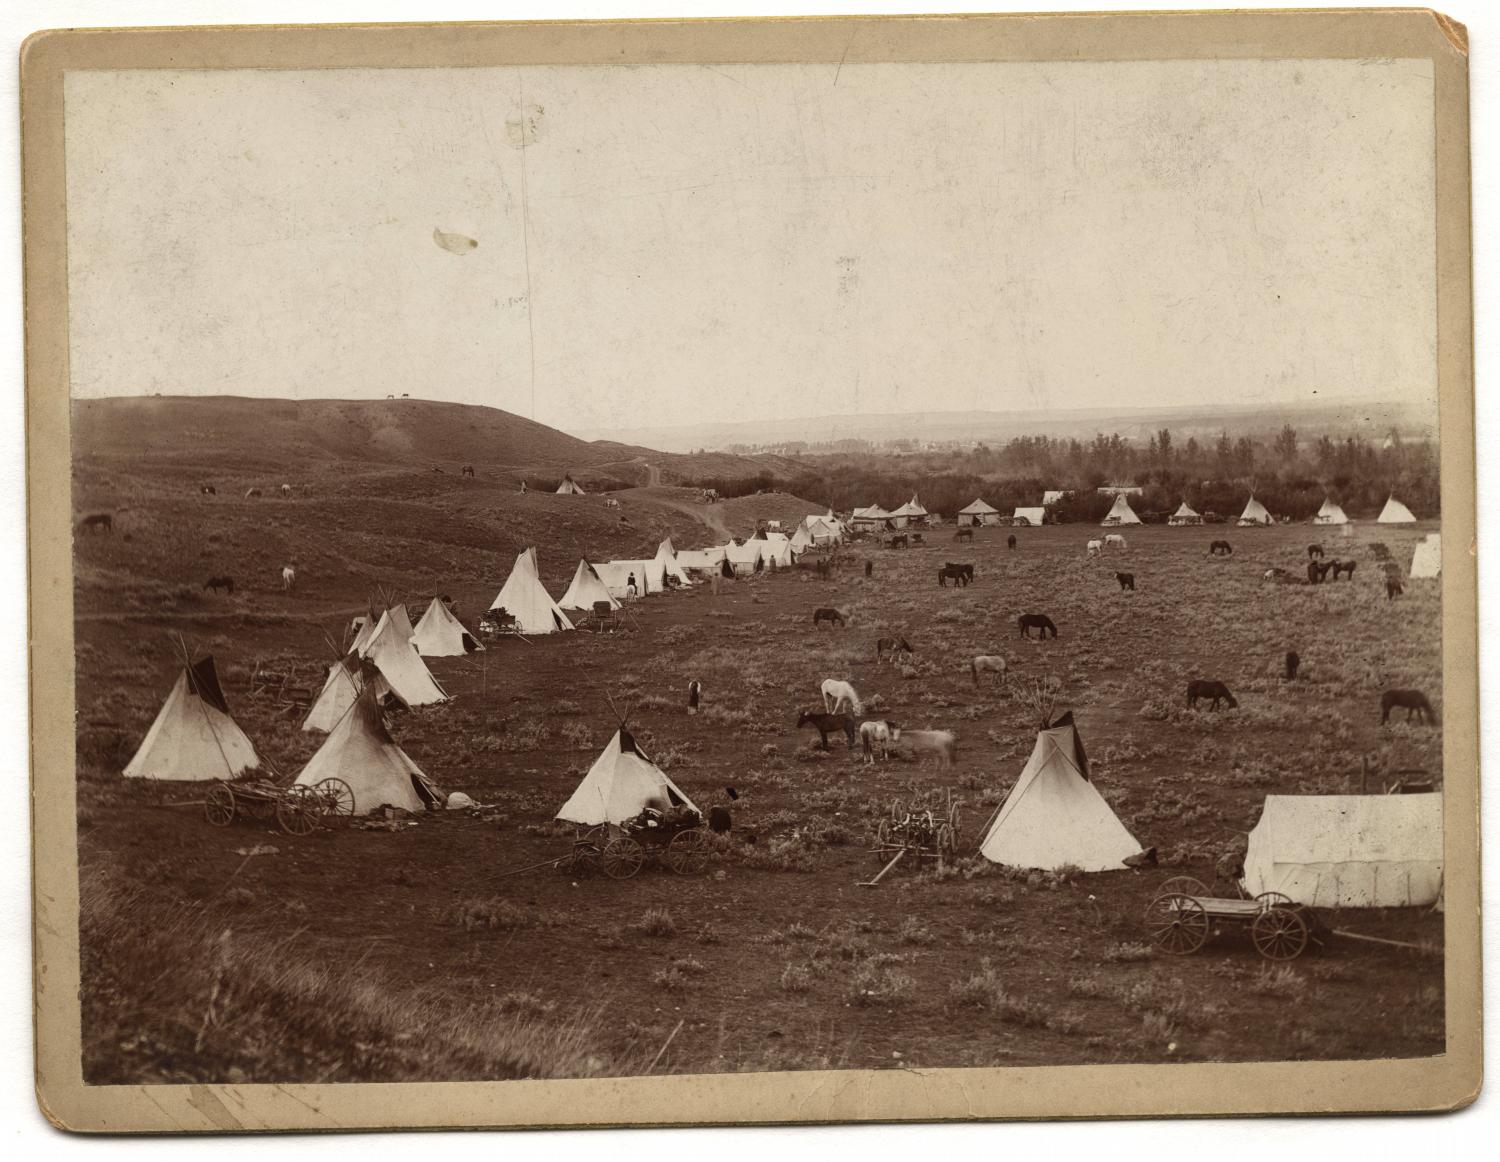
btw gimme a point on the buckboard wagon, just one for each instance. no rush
(674, 838)
(297, 809)
(1183, 915)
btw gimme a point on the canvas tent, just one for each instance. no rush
(525, 599)
(1029, 516)
(704, 559)
(1330, 514)
(585, 589)
(650, 577)
(1348, 851)
(1120, 513)
(1054, 816)
(778, 552)
(1395, 513)
(1255, 513)
(1053, 496)
(911, 511)
(441, 635)
(978, 513)
(394, 654)
(360, 751)
(801, 540)
(342, 686)
(1184, 516)
(569, 487)
(193, 736)
(1427, 557)
(744, 558)
(870, 519)
(666, 555)
(620, 785)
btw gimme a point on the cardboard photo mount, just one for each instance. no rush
(1445, 1082)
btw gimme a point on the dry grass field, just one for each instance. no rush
(358, 955)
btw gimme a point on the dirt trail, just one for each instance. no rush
(700, 512)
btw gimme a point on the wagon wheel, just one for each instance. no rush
(947, 843)
(1182, 886)
(1268, 900)
(1279, 933)
(621, 857)
(687, 853)
(218, 808)
(337, 796)
(297, 812)
(883, 833)
(1178, 924)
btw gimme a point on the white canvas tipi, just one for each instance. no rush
(1054, 816)
(569, 487)
(1255, 513)
(1330, 514)
(340, 689)
(391, 649)
(1120, 513)
(360, 751)
(1184, 516)
(1395, 513)
(441, 635)
(193, 736)
(666, 557)
(620, 785)
(585, 589)
(1427, 558)
(525, 599)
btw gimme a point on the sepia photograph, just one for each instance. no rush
(756, 564)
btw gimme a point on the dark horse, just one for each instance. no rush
(1126, 580)
(1292, 662)
(1344, 567)
(1220, 549)
(916, 538)
(467, 470)
(1217, 691)
(1315, 551)
(959, 574)
(1010, 541)
(899, 541)
(869, 568)
(827, 724)
(99, 520)
(964, 535)
(1412, 701)
(1316, 572)
(1393, 589)
(217, 583)
(892, 646)
(1038, 621)
(828, 614)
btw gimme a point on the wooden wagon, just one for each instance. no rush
(1183, 915)
(621, 850)
(296, 809)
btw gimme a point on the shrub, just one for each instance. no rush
(655, 922)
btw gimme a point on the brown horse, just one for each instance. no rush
(1412, 701)
(1216, 691)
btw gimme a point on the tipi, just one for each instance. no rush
(360, 751)
(1395, 513)
(1255, 513)
(1184, 516)
(666, 556)
(620, 785)
(1427, 557)
(1120, 513)
(193, 736)
(341, 688)
(978, 513)
(569, 487)
(395, 655)
(585, 589)
(525, 599)
(1054, 816)
(441, 635)
(1330, 514)
(1348, 851)
(801, 540)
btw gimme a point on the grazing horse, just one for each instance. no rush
(695, 695)
(1379, 551)
(1010, 541)
(899, 541)
(958, 574)
(827, 724)
(214, 584)
(286, 490)
(467, 470)
(1316, 572)
(1126, 580)
(1114, 541)
(1292, 662)
(1220, 549)
(1216, 691)
(895, 646)
(1412, 701)
(828, 614)
(943, 743)
(966, 535)
(869, 568)
(1095, 548)
(987, 664)
(1037, 621)
(1344, 567)
(252, 492)
(1315, 551)
(838, 694)
(1393, 589)
(877, 733)
(288, 577)
(102, 521)
(208, 490)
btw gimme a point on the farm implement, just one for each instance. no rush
(911, 829)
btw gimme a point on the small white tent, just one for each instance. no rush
(396, 657)
(744, 558)
(1034, 516)
(707, 560)
(1184, 516)
(650, 577)
(524, 598)
(1348, 851)
(360, 751)
(620, 785)
(1395, 513)
(666, 555)
(978, 513)
(585, 589)
(1120, 513)
(909, 512)
(1054, 816)
(1054, 496)
(193, 736)
(1427, 557)
(340, 689)
(441, 635)
(871, 518)
(801, 540)
(1330, 514)
(569, 487)
(1255, 513)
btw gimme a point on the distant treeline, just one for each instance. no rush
(1290, 477)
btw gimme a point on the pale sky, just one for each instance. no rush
(673, 244)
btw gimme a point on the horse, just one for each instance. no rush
(214, 584)
(1217, 691)
(467, 470)
(828, 614)
(1010, 541)
(1114, 541)
(877, 732)
(1037, 621)
(1095, 548)
(943, 743)
(1220, 549)
(1412, 701)
(916, 538)
(837, 694)
(986, 663)
(1316, 572)
(1292, 662)
(286, 490)
(249, 492)
(869, 568)
(1126, 580)
(959, 574)
(965, 535)
(1393, 589)
(102, 521)
(827, 724)
(1344, 567)
(1315, 551)
(899, 541)
(1379, 551)
(895, 646)
(695, 695)
(288, 577)
(208, 490)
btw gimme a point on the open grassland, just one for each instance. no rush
(370, 955)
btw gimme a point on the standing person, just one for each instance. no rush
(869, 567)
(695, 693)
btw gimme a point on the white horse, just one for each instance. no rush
(1095, 548)
(877, 734)
(1114, 541)
(288, 577)
(838, 695)
(986, 664)
(943, 743)
(286, 490)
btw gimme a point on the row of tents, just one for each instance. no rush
(981, 513)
